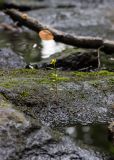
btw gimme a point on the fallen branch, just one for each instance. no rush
(82, 42)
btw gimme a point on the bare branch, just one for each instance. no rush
(78, 41)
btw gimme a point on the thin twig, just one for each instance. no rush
(98, 56)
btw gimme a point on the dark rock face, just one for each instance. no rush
(9, 59)
(81, 60)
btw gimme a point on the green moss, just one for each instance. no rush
(100, 73)
(105, 73)
(9, 84)
(24, 93)
(92, 75)
(63, 79)
(18, 72)
(28, 77)
(58, 79)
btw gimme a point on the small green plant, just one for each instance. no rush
(54, 76)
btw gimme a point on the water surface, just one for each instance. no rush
(95, 135)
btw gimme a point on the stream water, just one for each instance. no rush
(86, 18)
(92, 135)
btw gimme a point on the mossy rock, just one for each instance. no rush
(74, 97)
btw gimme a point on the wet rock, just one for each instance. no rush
(12, 125)
(9, 59)
(86, 18)
(21, 138)
(63, 149)
(80, 98)
(73, 60)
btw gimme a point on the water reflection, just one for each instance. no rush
(71, 131)
(29, 45)
(50, 47)
(84, 131)
(22, 44)
(94, 135)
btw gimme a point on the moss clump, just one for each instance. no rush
(9, 83)
(18, 72)
(100, 73)
(24, 93)
(28, 78)
(92, 75)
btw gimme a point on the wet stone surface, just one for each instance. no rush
(76, 101)
(21, 138)
(9, 59)
(74, 60)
